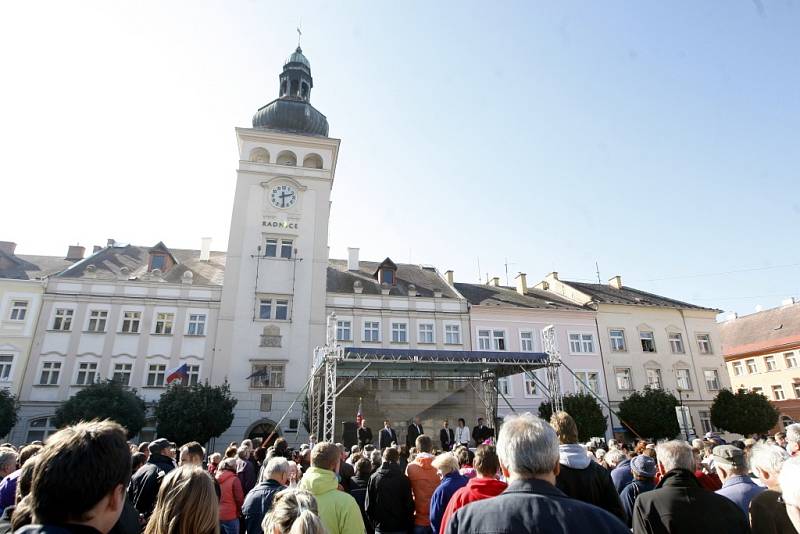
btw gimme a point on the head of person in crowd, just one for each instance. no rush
(363, 469)
(227, 464)
(363, 422)
(27, 452)
(445, 464)
(243, 452)
(326, 456)
(192, 454)
(404, 452)
(640, 445)
(230, 452)
(81, 475)
(215, 458)
(160, 446)
(247, 443)
(387, 424)
(461, 422)
(486, 461)
(294, 472)
(424, 444)
(8, 462)
(376, 458)
(613, 457)
(599, 455)
(729, 461)
(464, 457)
(793, 438)
(260, 455)
(565, 427)
(650, 451)
(354, 449)
(643, 468)
(293, 511)
(527, 448)
(144, 448)
(613, 444)
(390, 455)
(780, 439)
(281, 447)
(137, 460)
(675, 454)
(276, 469)
(789, 480)
(368, 448)
(22, 510)
(766, 462)
(186, 504)
(697, 443)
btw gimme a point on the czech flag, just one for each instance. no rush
(359, 413)
(181, 373)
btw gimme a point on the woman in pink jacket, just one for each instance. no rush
(231, 496)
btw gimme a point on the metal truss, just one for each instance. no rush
(554, 362)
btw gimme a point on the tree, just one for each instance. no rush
(104, 400)
(651, 413)
(8, 411)
(743, 412)
(194, 413)
(584, 410)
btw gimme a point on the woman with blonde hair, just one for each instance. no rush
(293, 511)
(186, 504)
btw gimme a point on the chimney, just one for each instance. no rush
(110, 242)
(553, 275)
(522, 283)
(495, 282)
(352, 259)
(615, 282)
(449, 276)
(788, 301)
(205, 248)
(8, 247)
(75, 253)
(96, 249)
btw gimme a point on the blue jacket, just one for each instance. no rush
(533, 506)
(257, 504)
(621, 475)
(630, 492)
(741, 490)
(451, 483)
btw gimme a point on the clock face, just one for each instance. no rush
(283, 196)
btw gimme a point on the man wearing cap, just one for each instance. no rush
(644, 474)
(732, 469)
(143, 488)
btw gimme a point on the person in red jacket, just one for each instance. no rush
(231, 496)
(485, 485)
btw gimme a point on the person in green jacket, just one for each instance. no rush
(338, 510)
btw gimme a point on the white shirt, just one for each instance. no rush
(462, 434)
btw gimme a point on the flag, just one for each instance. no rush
(180, 373)
(359, 414)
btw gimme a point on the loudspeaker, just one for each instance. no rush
(349, 435)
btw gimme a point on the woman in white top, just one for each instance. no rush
(462, 433)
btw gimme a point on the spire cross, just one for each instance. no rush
(299, 33)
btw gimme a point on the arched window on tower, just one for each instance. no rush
(287, 157)
(304, 90)
(259, 155)
(295, 87)
(312, 161)
(283, 88)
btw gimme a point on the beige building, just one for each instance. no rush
(762, 351)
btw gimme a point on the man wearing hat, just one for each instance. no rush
(644, 473)
(732, 469)
(143, 487)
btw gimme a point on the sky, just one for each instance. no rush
(648, 140)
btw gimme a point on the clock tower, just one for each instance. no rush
(273, 299)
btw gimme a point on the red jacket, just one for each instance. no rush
(424, 481)
(231, 495)
(710, 482)
(475, 490)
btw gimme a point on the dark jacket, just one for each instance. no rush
(622, 475)
(679, 505)
(60, 529)
(389, 503)
(358, 489)
(446, 438)
(533, 506)
(629, 494)
(412, 433)
(584, 479)
(768, 515)
(346, 472)
(481, 434)
(143, 488)
(257, 503)
(364, 436)
(247, 471)
(386, 437)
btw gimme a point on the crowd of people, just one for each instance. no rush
(535, 477)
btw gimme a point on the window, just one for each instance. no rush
(286, 248)
(197, 324)
(343, 331)
(97, 321)
(579, 343)
(648, 341)
(282, 248)
(87, 374)
(131, 321)
(574, 343)
(271, 248)
(281, 310)
(624, 382)
(426, 384)
(738, 369)
(267, 375)
(704, 343)
(758, 390)
(387, 276)
(676, 343)
(426, 333)
(705, 421)
(294, 424)
(452, 334)
(193, 372)
(796, 387)
(770, 362)
(122, 373)
(63, 319)
(399, 333)
(19, 309)
(586, 378)
(155, 375)
(157, 261)
(530, 385)
(526, 341)
(617, 338)
(39, 429)
(790, 359)
(712, 379)
(751, 366)
(280, 307)
(504, 385)
(399, 384)
(777, 393)
(654, 378)
(484, 340)
(498, 340)
(372, 331)
(683, 379)
(6, 361)
(50, 373)
(265, 309)
(164, 323)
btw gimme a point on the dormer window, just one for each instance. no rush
(157, 261)
(160, 258)
(386, 276)
(387, 273)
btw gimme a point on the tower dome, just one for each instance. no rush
(292, 110)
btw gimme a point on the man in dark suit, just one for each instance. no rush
(364, 434)
(481, 432)
(386, 436)
(414, 431)
(446, 436)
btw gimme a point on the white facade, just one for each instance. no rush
(20, 303)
